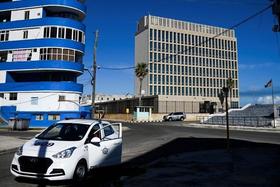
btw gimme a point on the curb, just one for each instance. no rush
(256, 129)
(153, 121)
(6, 151)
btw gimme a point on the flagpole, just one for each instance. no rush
(273, 103)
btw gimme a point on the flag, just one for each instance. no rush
(269, 84)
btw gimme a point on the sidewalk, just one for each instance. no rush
(10, 144)
(243, 128)
(11, 140)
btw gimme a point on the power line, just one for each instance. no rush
(121, 68)
(38, 99)
(277, 39)
(227, 2)
(221, 33)
(201, 43)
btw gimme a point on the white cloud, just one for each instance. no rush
(267, 100)
(259, 66)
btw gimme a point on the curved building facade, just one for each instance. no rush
(41, 50)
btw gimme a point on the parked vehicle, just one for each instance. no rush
(68, 150)
(175, 116)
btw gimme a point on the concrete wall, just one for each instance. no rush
(33, 33)
(33, 14)
(155, 117)
(120, 117)
(46, 102)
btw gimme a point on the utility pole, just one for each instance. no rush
(273, 104)
(276, 12)
(93, 80)
(226, 90)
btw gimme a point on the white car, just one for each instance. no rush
(68, 150)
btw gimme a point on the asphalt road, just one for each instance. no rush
(139, 140)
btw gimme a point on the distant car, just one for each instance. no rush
(175, 116)
(68, 150)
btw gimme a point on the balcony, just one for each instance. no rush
(43, 65)
(41, 43)
(71, 6)
(43, 22)
(42, 87)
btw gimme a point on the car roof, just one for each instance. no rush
(81, 121)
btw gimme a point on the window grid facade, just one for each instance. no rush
(187, 61)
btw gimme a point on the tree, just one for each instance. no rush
(141, 71)
(230, 85)
(221, 98)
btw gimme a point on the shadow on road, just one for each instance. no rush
(118, 175)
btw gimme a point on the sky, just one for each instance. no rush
(116, 20)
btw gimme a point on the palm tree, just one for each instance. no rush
(221, 96)
(230, 85)
(141, 71)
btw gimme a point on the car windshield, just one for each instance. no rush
(64, 131)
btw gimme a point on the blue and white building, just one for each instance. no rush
(41, 50)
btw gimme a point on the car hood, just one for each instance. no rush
(47, 148)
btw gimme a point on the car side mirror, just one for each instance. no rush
(95, 141)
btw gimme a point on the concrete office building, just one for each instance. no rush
(187, 62)
(41, 51)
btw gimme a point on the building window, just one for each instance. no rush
(68, 34)
(46, 32)
(4, 36)
(34, 100)
(39, 117)
(26, 15)
(60, 54)
(52, 117)
(1, 95)
(13, 96)
(61, 32)
(61, 98)
(25, 34)
(75, 35)
(53, 32)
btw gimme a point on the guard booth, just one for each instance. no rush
(142, 113)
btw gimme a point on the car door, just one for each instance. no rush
(108, 151)
(95, 154)
(175, 116)
(111, 144)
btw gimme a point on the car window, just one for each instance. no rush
(64, 131)
(108, 130)
(95, 132)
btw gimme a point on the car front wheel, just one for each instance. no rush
(169, 119)
(182, 119)
(80, 172)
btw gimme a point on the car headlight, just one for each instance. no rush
(19, 151)
(65, 153)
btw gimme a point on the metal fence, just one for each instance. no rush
(253, 121)
(178, 106)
